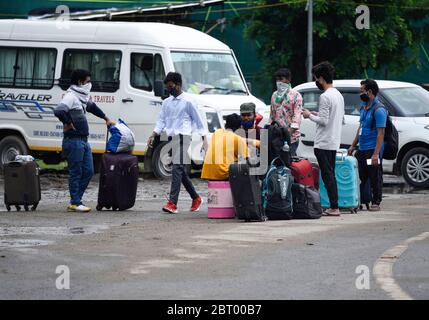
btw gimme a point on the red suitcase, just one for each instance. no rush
(316, 175)
(302, 171)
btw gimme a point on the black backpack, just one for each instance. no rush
(277, 135)
(391, 136)
(306, 202)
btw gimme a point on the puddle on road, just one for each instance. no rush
(23, 243)
(42, 231)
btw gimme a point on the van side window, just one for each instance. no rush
(27, 67)
(311, 100)
(104, 66)
(146, 68)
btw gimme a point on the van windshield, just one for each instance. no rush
(208, 73)
(412, 101)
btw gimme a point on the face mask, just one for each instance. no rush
(86, 87)
(173, 91)
(319, 86)
(282, 87)
(247, 124)
(364, 97)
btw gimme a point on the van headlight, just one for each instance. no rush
(212, 121)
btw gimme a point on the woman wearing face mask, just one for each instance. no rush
(71, 111)
(286, 107)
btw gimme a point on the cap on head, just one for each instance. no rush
(248, 107)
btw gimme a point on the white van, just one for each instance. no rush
(408, 105)
(128, 62)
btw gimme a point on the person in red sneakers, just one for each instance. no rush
(178, 116)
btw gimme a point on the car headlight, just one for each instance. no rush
(213, 121)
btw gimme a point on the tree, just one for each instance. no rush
(390, 45)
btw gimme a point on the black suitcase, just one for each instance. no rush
(246, 193)
(306, 202)
(21, 185)
(119, 175)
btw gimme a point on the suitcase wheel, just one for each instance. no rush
(18, 208)
(33, 208)
(114, 208)
(99, 208)
(354, 210)
(8, 207)
(26, 208)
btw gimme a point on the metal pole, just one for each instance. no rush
(310, 40)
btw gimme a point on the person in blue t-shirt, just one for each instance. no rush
(370, 137)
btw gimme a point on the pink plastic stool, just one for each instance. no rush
(220, 205)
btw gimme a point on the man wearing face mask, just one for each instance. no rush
(71, 111)
(286, 107)
(328, 130)
(370, 137)
(248, 117)
(178, 116)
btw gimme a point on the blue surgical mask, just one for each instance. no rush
(247, 124)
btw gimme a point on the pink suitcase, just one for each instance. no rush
(220, 204)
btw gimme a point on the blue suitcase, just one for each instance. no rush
(348, 184)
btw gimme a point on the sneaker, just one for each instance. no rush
(78, 208)
(196, 203)
(170, 207)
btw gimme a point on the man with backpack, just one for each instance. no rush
(370, 137)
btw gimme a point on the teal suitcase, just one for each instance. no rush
(348, 184)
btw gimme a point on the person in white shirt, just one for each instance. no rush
(328, 130)
(177, 118)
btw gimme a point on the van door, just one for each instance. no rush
(139, 107)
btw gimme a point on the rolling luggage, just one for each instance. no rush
(21, 185)
(302, 171)
(276, 192)
(348, 185)
(118, 181)
(246, 193)
(306, 202)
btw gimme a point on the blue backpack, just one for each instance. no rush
(277, 192)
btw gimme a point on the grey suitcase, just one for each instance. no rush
(21, 185)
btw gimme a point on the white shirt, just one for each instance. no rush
(329, 121)
(178, 116)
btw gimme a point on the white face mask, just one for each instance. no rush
(282, 87)
(86, 87)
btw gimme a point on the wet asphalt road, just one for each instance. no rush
(145, 254)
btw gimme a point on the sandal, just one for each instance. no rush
(374, 207)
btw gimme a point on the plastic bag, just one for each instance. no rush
(122, 138)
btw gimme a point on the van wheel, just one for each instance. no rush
(10, 147)
(415, 167)
(161, 162)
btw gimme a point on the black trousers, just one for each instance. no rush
(326, 160)
(371, 172)
(180, 158)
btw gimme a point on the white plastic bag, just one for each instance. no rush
(122, 138)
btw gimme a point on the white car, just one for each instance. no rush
(408, 105)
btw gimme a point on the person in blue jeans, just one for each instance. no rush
(71, 111)
(370, 137)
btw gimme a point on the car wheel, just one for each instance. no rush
(10, 147)
(415, 167)
(161, 162)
